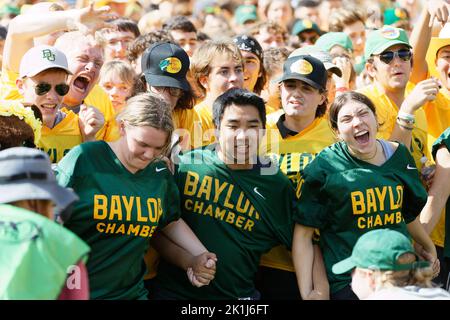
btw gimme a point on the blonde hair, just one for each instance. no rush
(420, 277)
(148, 109)
(119, 68)
(73, 39)
(205, 54)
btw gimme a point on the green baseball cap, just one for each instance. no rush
(381, 39)
(393, 15)
(304, 25)
(245, 13)
(380, 250)
(331, 39)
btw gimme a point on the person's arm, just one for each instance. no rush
(303, 258)
(180, 246)
(438, 193)
(25, 27)
(421, 35)
(419, 235)
(423, 92)
(321, 285)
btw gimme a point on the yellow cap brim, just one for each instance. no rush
(435, 45)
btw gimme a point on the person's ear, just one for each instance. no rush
(20, 85)
(371, 69)
(203, 79)
(122, 128)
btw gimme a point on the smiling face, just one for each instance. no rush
(239, 136)
(139, 146)
(443, 66)
(85, 62)
(357, 127)
(48, 103)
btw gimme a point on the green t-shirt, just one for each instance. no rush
(345, 197)
(35, 255)
(117, 214)
(444, 140)
(237, 214)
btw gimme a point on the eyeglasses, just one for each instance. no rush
(174, 92)
(310, 39)
(388, 56)
(42, 88)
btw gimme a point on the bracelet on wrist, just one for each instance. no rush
(406, 127)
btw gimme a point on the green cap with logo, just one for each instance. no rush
(305, 25)
(331, 39)
(380, 250)
(245, 13)
(381, 39)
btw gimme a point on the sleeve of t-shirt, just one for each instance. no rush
(285, 226)
(311, 205)
(414, 193)
(66, 168)
(443, 140)
(172, 197)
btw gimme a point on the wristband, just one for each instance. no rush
(403, 126)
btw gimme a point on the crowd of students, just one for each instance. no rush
(224, 149)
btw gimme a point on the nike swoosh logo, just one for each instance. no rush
(160, 169)
(410, 167)
(259, 194)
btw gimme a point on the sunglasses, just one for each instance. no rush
(174, 92)
(388, 56)
(42, 88)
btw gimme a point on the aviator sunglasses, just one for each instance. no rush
(42, 88)
(388, 56)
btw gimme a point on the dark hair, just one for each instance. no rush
(308, 4)
(239, 97)
(127, 25)
(201, 36)
(179, 23)
(138, 46)
(342, 100)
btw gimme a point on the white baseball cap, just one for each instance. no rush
(41, 58)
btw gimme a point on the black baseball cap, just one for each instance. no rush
(165, 64)
(305, 68)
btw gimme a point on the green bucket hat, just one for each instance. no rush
(381, 39)
(379, 250)
(331, 39)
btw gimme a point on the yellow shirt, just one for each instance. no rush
(438, 119)
(387, 117)
(294, 153)
(58, 141)
(184, 120)
(97, 98)
(206, 128)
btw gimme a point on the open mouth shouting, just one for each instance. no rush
(362, 137)
(81, 83)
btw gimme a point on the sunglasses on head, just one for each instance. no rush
(42, 88)
(388, 56)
